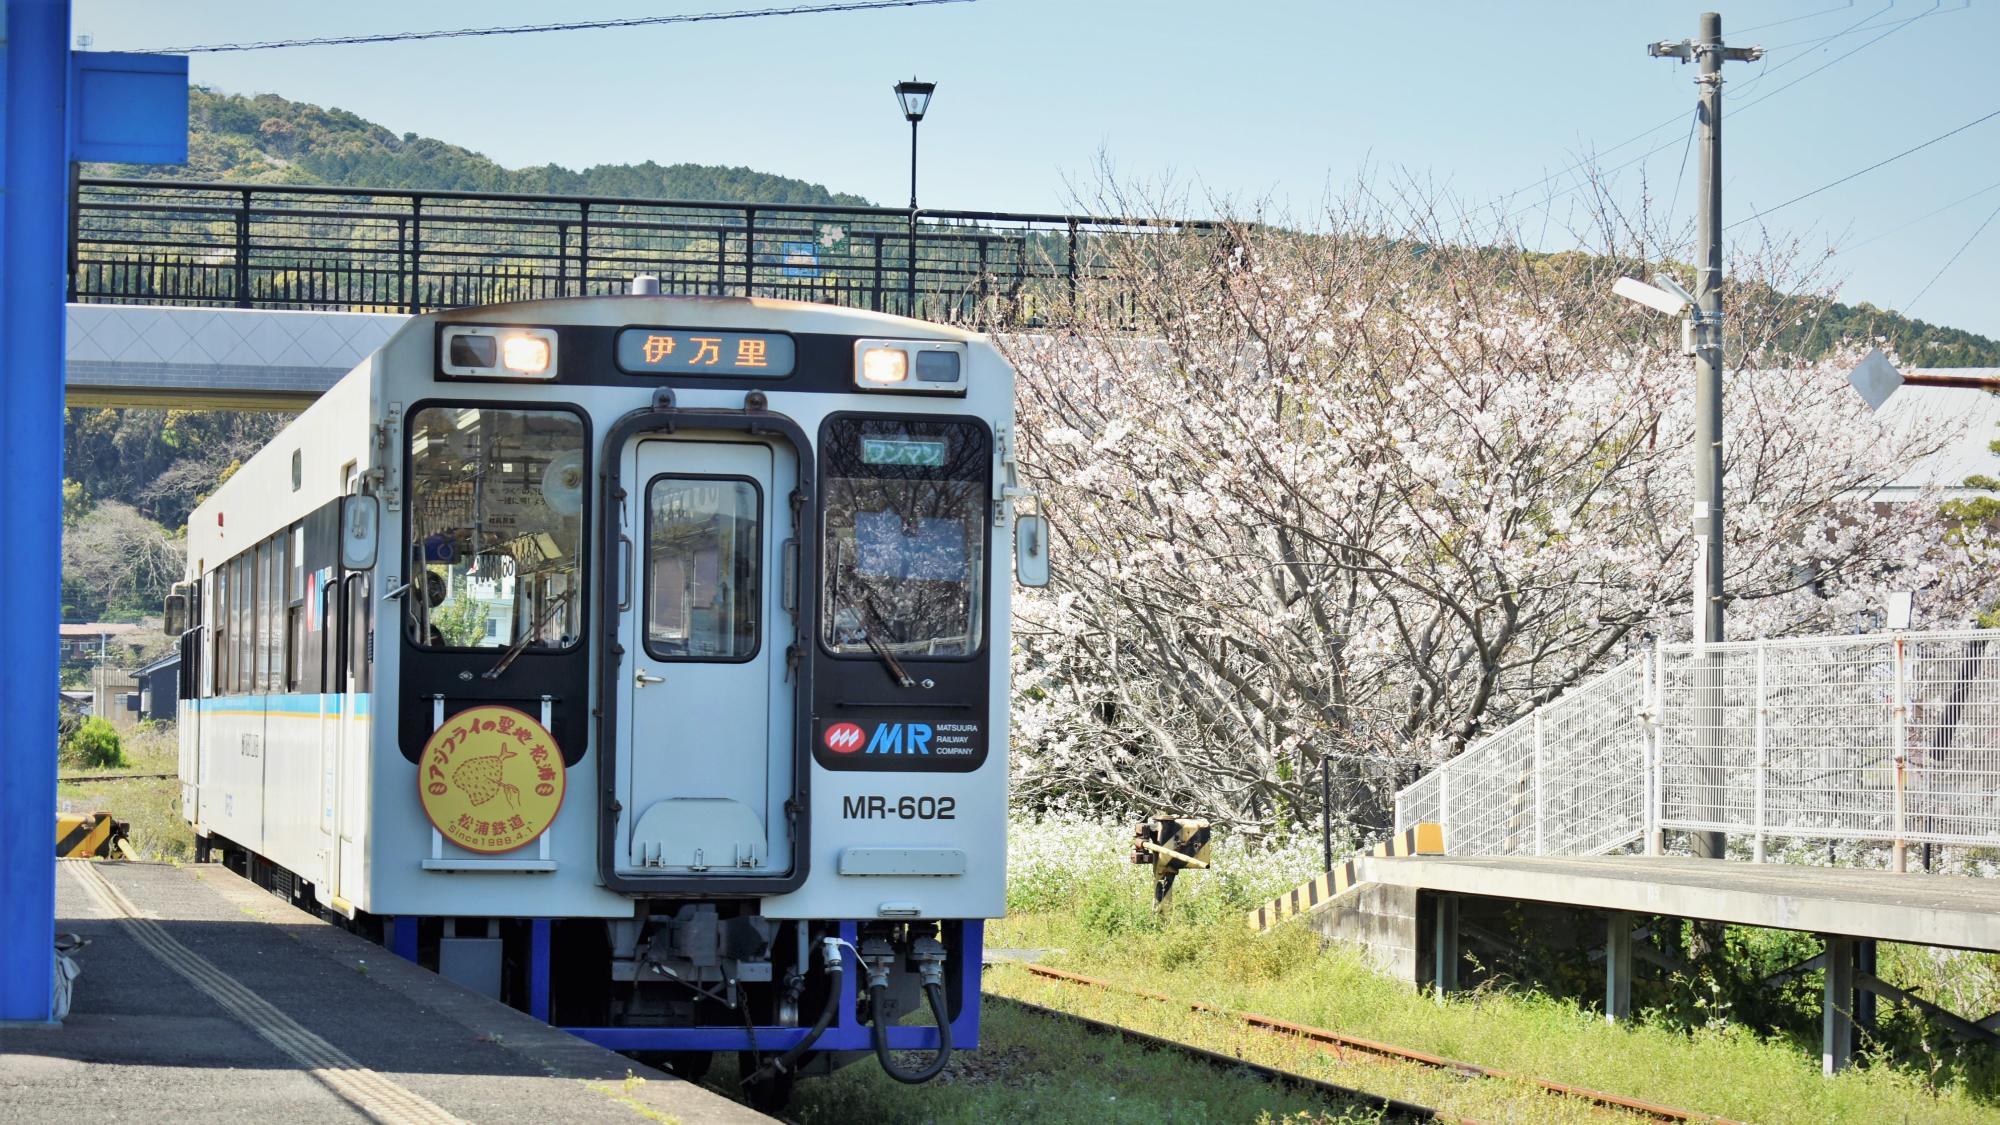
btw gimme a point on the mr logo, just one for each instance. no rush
(900, 738)
(888, 738)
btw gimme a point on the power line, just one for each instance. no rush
(1795, 19)
(1766, 71)
(1681, 176)
(1948, 261)
(1865, 171)
(1893, 29)
(1861, 25)
(1900, 228)
(1816, 40)
(533, 28)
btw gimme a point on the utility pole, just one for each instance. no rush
(1709, 53)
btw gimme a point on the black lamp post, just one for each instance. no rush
(915, 98)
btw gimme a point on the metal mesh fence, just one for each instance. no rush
(1568, 778)
(1890, 737)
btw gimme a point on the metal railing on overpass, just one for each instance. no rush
(1887, 738)
(288, 246)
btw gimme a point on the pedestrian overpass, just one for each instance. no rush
(259, 296)
(191, 358)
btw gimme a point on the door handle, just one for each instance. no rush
(642, 678)
(624, 572)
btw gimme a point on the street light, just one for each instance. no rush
(1701, 338)
(915, 98)
(1671, 297)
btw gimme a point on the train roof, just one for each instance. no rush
(261, 498)
(747, 313)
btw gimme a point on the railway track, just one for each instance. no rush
(1394, 1109)
(1340, 1043)
(80, 777)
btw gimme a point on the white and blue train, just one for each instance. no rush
(639, 661)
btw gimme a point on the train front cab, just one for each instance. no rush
(797, 762)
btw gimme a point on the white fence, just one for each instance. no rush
(1889, 737)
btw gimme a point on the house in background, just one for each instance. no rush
(115, 696)
(87, 640)
(159, 688)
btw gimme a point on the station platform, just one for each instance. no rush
(1919, 909)
(204, 998)
(1411, 914)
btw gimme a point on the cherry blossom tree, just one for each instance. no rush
(1353, 497)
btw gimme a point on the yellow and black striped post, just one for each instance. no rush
(80, 835)
(1421, 839)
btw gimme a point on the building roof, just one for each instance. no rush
(1971, 453)
(96, 628)
(170, 660)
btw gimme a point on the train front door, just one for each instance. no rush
(706, 715)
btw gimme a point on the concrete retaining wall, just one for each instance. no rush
(1382, 921)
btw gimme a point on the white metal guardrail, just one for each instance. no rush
(1884, 737)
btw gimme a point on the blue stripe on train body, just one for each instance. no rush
(900, 738)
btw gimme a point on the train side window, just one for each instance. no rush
(274, 616)
(360, 634)
(333, 638)
(704, 575)
(218, 593)
(239, 664)
(260, 606)
(295, 602)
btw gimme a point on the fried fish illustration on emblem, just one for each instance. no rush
(479, 778)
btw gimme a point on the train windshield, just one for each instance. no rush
(496, 528)
(905, 536)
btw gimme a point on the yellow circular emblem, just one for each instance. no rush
(491, 779)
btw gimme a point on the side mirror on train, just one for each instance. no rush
(176, 613)
(1031, 550)
(360, 519)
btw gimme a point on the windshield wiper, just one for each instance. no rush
(881, 650)
(889, 661)
(514, 650)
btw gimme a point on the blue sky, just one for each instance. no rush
(1247, 100)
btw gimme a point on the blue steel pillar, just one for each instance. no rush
(34, 152)
(54, 107)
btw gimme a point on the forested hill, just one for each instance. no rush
(134, 474)
(269, 139)
(1917, 343)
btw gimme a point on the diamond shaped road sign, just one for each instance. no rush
(1875, 378)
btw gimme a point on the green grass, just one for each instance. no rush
(1715, 1068)
(1032, 1068)
(150, 805)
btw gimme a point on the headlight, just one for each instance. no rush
(884, 366)
(910, 366)
(528, 355)
(493, 352)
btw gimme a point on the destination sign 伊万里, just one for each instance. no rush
(693, 351)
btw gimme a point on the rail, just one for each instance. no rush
(292, 246)
(1884, 738)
